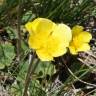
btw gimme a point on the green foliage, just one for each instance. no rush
(12, 32)
(17, 89)
(67, 11)
(7, 54)
(45, 68)
(28, 16)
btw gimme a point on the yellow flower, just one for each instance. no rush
(80, 40)
(48, 39)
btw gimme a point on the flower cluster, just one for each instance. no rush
(51, 40)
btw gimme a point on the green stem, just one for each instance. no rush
(31, 70)
(19, 30)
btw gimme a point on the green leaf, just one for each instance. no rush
(24, 46)
(7, 54)
(28, 16)
(45, 68)
(12, 32)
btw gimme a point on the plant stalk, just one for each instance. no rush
(31, 70)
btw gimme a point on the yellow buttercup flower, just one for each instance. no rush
(48, 39)
(80, 40)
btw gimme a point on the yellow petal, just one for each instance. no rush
(36, 41)
(73, 50)
(55, 47)
(28, 26)
(62, 32)
(45, 26)
(44, 55)
(32, 26)
(76, 42)
(84, 37)
(77, 30)
(84, 47)
(40, 25)
(60, 51)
